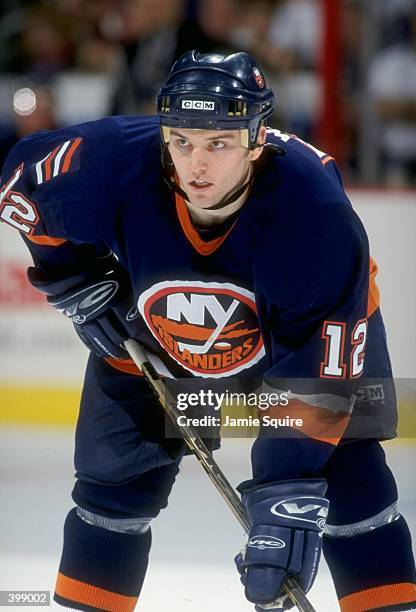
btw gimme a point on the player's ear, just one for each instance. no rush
(261, 139)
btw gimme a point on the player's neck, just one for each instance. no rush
(204, 217)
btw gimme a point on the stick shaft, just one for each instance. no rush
(204, 456)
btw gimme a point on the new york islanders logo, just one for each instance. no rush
(259, 77)
(211, 329)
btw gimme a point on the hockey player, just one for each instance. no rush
(237, 255)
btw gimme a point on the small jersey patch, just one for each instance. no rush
(64, 158)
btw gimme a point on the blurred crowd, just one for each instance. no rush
(64, 61)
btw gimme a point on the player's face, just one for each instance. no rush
(210, 164)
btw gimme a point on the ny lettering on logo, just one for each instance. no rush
(194, 312)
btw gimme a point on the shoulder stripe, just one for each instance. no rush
(67, 161)
(59, 157)
(48, 172)
(57, 161)
(39, 170)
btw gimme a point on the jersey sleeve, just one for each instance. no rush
(57, 192)
(314, 304)
(65, 188)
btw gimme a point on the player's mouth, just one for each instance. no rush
(200, 185)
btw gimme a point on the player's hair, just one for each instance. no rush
(215, 92)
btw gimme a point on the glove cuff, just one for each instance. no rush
(58, 285)
(296, 504)
(55, 286)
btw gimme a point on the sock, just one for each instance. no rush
(100, 569)
(374, 570)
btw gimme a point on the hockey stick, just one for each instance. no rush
(197, 446)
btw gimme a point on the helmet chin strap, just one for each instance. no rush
(234, 195)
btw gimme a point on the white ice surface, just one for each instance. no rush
(194, 540)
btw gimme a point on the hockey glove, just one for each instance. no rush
(287, 519)
(97, 301)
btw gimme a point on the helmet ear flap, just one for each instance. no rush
(165, 131)
(245, 138)
(249, 136)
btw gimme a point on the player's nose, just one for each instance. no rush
(199, 162)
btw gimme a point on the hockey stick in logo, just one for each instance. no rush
(201, 350)
(205, 458)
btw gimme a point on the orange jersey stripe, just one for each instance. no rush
(373, 290)
(327, 159)
(379, 597)
(90, 595)
(317, 423)
(203, 248)
(48, 172)
(46, 240)
(68, 156)
(124, 365)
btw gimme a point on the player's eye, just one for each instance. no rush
(217, 144)
(182, 143)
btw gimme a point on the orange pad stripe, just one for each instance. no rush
(90, 595)
(379, 597)
(46, 240)
(124, 365)
(317, 423)
(373, 290)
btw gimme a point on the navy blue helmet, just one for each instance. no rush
(216, 92)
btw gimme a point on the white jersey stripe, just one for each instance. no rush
(59, 157)
(39, 175)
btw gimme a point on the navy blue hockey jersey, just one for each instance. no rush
(286, 292)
